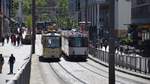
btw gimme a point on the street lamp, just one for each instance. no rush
(86, 5)
(20, 16)
(33, 26)
(111, 42)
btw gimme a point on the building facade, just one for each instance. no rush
(1, 18)
(122, 17)
(140, 27)
(4, 17)
(73, 9)
(98, 17)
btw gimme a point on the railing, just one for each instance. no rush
(132, 63)
(23, 75)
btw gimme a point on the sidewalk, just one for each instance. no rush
(35, 75)
(21, 53)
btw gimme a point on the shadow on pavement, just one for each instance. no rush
(49, 60)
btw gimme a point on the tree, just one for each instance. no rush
(29, 23)
(63, 19)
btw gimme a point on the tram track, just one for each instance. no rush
(72, 74)
(68, 73)
(65, 71)
(62, 81)
(104, 72)
(106, 77)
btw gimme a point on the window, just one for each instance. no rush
(140, 1)
(78, 42)
(53, 42)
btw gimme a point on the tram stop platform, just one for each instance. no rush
(22, 54)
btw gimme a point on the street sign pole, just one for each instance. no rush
(33, 26)
(111, 42)
(86, 22)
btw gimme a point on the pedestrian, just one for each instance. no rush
(105, 44)
(7, 38)
(18, 40)
(1, 62)
(121, 50)
(101, 43)
(3, 40)
(149, 65)
(11, 63)
(14, 39)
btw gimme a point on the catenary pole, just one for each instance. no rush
(86, 7)
(33, 26)
(111, 42)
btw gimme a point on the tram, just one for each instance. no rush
(51, 45)
(74, 45)
(40, 26)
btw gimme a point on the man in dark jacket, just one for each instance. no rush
(1, 62)
(3, 40)
(11, 63)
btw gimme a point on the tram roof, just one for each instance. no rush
(51, 34)
(73, 34)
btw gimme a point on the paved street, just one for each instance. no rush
(21, 54)
(67, 72)
(62, 72)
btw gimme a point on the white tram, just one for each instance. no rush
(51, 45)
(74, 44)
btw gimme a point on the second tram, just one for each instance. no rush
(51, 45)
(75, 44)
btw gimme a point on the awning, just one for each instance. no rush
(13, 20)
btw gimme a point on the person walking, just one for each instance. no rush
(14, 39)
(149, 65)
(3, 40)
(7, 38)
(1, 62)
(18, 40)
(11, 63)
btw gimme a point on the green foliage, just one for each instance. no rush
(126, 40)
(41, 3)
(27, 8)
(64, 20)
(29, 21)
(63, 7)
(27, 5)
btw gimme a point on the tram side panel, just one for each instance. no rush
(78, 52)
(65, 46)
(73, 52)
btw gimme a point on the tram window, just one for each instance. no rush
(53, 42)
(78, 42)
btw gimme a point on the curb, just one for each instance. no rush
(119, 69)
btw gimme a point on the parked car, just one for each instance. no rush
(27, 39)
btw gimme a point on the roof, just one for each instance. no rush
(73, 34)
(51, 34)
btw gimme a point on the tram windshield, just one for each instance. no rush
(53, 42)
(78, 42)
